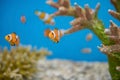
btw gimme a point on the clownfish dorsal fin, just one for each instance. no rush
(14, 33)
(46, 32)
(56, 29)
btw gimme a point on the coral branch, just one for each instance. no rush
(63, 7)
(109, 50)
(114, 14)
(114, 33)
(85, 19)
(116, 4)
(88, 12)
(113, 50)
(118, 68)
(52, 4)
(78, 10)
(97, 9)
(74, 29)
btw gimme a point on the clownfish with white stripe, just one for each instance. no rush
(13, 39)
(45, 17)
(54, 35)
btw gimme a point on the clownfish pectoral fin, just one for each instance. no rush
(12, 44)
(17, 42)
(57, 41)
(46, 32)
(56, 29)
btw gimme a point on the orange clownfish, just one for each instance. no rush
(54, 35)
(45, 17)
(13, 39)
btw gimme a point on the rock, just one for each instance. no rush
(69, 70)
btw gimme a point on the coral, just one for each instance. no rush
(116, 13)
(20, 63)
(114, 35)
(118, 68)
(86, 18)
(113, 50)
(63, 7)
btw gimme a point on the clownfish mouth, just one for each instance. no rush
(55, 41)
(5, 37)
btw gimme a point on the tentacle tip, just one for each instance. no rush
(99, 47)
(109, 10)
(101, 44)
(48, 2)
(113, 1)
(111, 22)
(98, 3)
(106, 31)
(61, 8)
(71, 22)
(118, 68)
(86, 5)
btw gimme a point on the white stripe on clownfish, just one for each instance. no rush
(58, 34)
(10, 36)
(53, 34)
(17, 37)
(46, 17)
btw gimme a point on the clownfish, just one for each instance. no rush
(45, 17)
(13, 39)
(54, 35)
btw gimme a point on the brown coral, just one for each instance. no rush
(115, 14)
(114, 35)
(83, 17)
(116, 4)
(63, 7)
(118, 68)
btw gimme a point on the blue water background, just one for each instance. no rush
(32, 33)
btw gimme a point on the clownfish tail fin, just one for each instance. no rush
(62, 32)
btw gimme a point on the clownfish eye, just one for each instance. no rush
(52, 33)
(8, 36)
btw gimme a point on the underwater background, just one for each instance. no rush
(32, 32)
